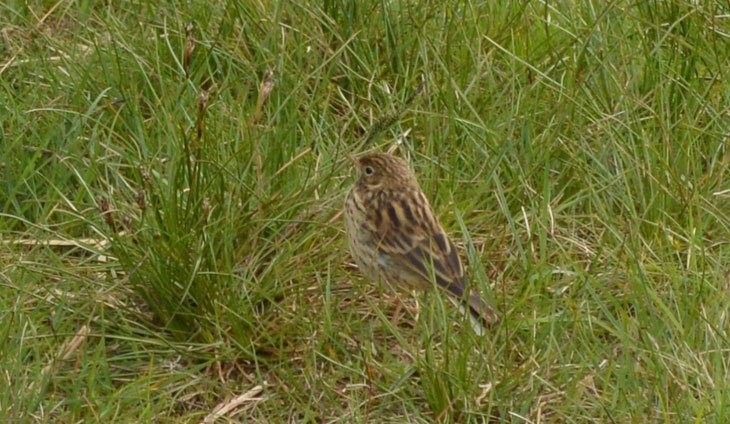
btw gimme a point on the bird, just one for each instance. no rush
(395, 237)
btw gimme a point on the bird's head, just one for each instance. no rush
(383, 170)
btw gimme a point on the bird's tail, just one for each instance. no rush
(481, 314)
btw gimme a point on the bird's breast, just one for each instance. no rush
(360, 236)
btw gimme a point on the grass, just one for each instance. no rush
(173, 175)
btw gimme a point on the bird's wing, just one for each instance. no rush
(411, 236)
(435, 259)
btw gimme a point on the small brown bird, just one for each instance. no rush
(395, 236)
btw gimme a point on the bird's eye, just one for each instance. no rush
(369, 170)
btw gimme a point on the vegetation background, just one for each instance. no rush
(172, 178)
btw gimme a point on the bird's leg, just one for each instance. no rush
(396, 315)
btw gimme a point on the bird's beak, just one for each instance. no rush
(352, 158)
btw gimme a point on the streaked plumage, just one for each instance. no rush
(395, 236)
